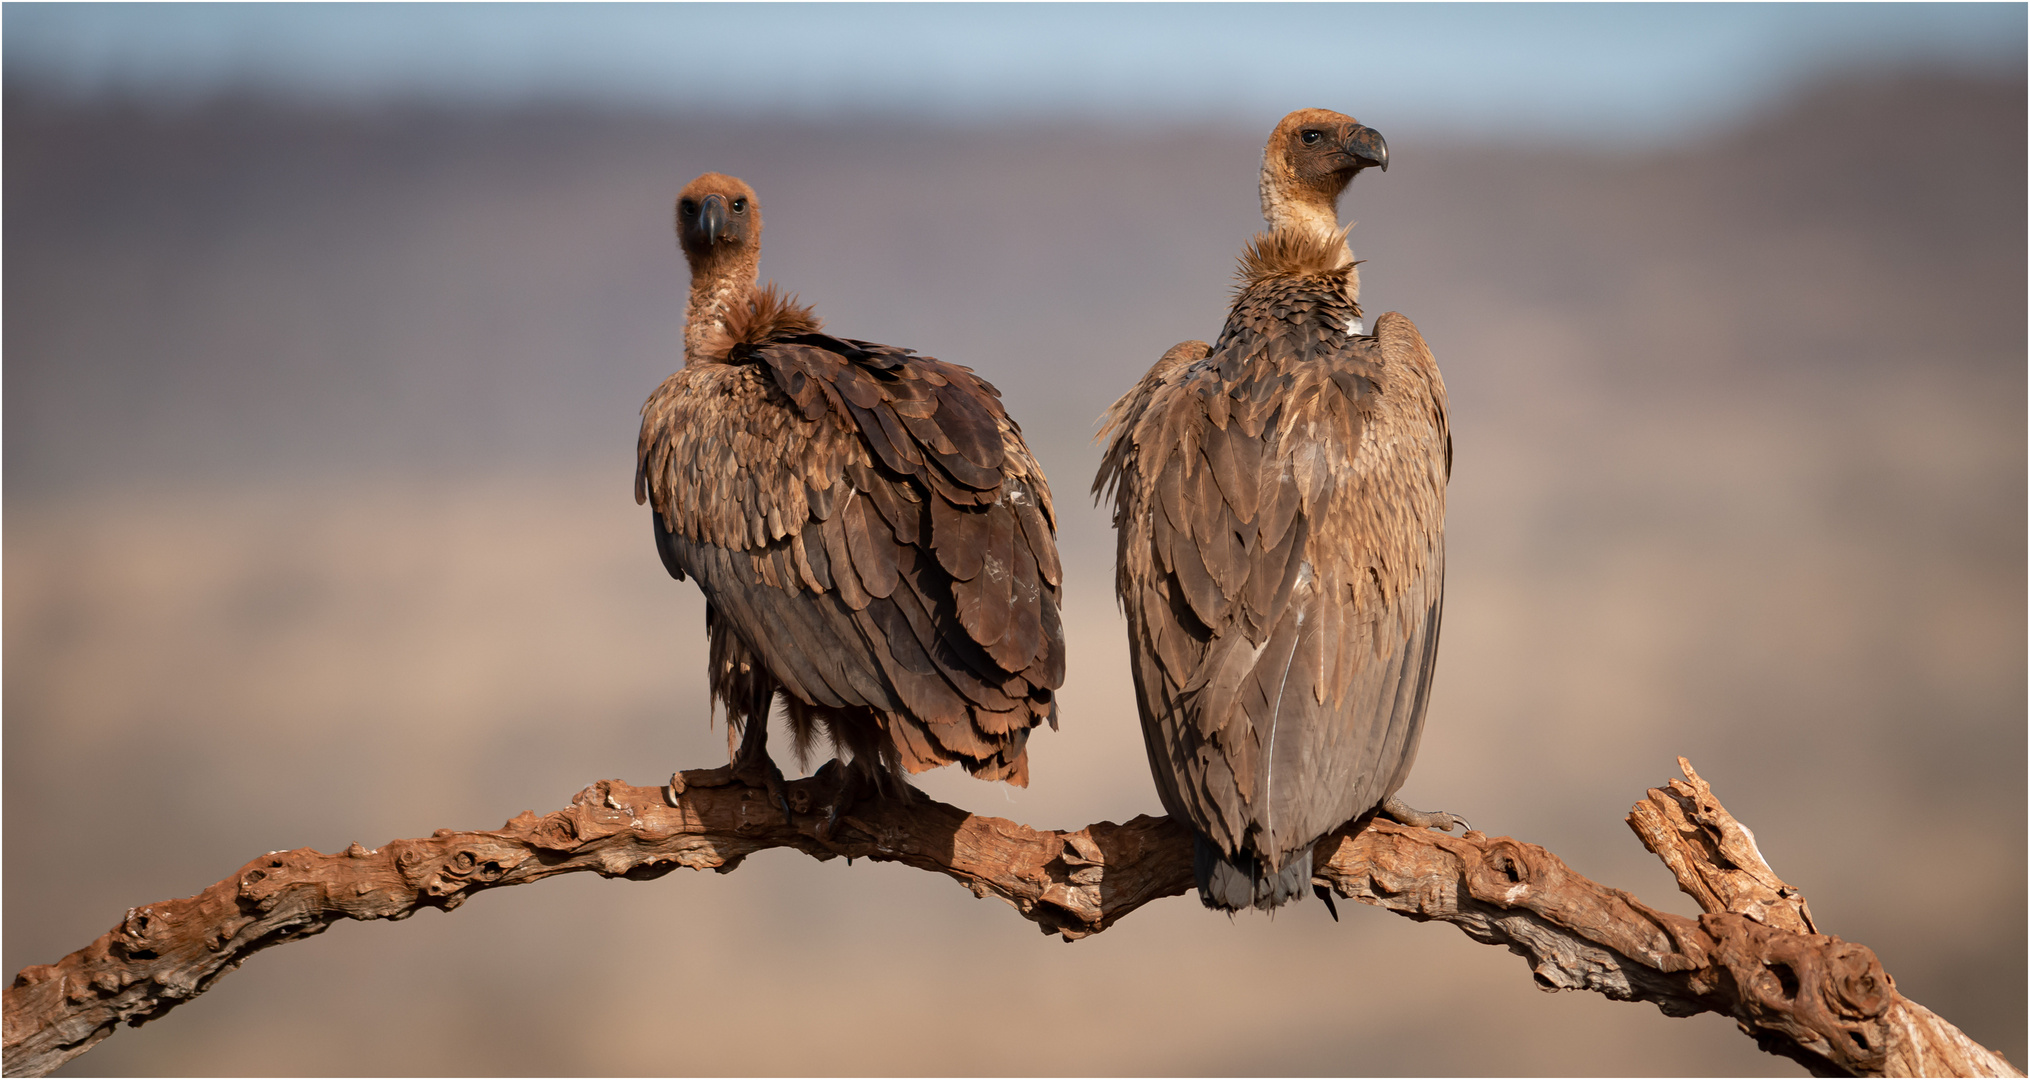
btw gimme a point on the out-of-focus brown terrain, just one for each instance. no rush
(319, 435)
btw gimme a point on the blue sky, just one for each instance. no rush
(1605, 72)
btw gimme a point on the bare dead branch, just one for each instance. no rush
(1717, 863)
(1753, 956)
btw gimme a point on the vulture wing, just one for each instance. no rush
(873, 527)
(1279, 500)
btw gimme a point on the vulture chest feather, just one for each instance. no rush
(1280, 501)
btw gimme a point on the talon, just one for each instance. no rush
(1325, 894)
(1418, 819)
(705, 778)
(853, 785)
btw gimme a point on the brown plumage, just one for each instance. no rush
(1280, 501)
(873, 538)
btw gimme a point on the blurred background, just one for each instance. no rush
(326, 327)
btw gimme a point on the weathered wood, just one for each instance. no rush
(1859, 1022)
(1814, 998)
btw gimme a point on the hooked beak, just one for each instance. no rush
(1366, 147)
(712, 218)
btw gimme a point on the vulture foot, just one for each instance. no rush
(751, 767)
(851, 785)
(763, 775)
(1419, 819)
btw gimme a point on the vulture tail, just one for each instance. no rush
(1232, 882)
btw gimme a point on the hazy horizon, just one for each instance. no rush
(1605, 74)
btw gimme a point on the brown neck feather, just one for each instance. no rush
(767, 315)
(1290, 203)
(721, 281)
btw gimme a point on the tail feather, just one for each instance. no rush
(1232, 882)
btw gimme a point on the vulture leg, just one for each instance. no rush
(741, 682)
(753, 767)
(853, 786)
(750, 766)
(873, 772)
(1418, 819)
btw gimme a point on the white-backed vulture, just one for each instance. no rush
(1279, 498)
(874, 541)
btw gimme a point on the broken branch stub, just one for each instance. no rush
(1825, 1002)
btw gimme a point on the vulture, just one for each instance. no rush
(875, 543)
(1279, 497)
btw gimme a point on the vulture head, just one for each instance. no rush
(719, 228)
(717, 216)
(1311, 157)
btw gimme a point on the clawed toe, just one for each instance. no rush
(836, 812)
(1325, 894)
(764, 774)
(754, 772)
(722, 776)
(848, 792)
(1420, 819)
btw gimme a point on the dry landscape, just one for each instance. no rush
(318, 448)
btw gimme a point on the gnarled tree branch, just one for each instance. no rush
(1755, 955)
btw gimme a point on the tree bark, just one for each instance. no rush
(1755, 955)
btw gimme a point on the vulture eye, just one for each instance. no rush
(740, 206)
(1311, 137)
(687, 207)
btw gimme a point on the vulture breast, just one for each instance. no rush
(1280, 501)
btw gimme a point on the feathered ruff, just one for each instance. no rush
(1287, 253)
(767, 316)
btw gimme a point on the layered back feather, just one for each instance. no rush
(869, 526)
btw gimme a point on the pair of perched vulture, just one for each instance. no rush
(876, 544)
